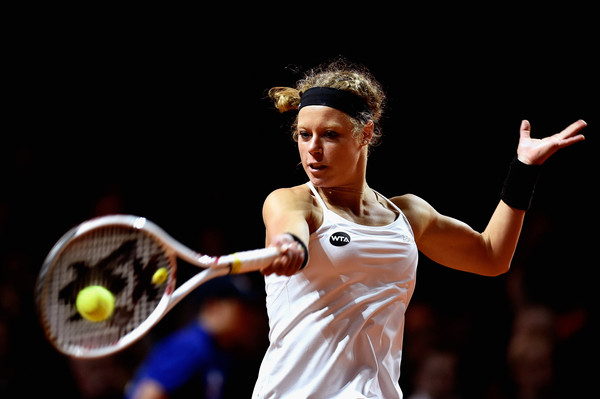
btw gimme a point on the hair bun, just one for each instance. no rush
(285, 98)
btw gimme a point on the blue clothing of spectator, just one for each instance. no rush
(187, 362)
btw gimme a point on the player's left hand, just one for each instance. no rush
(537, 151)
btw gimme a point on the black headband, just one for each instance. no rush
(343, 100)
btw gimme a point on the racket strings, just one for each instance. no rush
(119, 258)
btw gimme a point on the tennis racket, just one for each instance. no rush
(136, 261)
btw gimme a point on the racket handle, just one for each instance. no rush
(249, 261)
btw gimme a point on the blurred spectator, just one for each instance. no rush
(534, 320)
(530, 358)
(102, 378)
(436, 378)
(197, 360)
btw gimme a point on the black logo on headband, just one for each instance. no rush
(339, 239)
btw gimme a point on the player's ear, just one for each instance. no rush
(367, 132)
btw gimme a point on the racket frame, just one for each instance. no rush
(214, 266)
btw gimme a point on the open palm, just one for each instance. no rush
(537, 151)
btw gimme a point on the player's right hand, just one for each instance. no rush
(289, 261)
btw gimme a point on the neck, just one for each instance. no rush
(353, 191)
(349, 197)
(346, 190)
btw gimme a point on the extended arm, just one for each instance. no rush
(456, 245)
(285, 214)
(453, 243)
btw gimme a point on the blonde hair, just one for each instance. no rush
(340, 75)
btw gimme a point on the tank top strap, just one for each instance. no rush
(400, 213)
(388, 201)
(317, 196)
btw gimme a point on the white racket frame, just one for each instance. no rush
(215, 266)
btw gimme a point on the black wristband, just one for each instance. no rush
(299, 241)
(519, 185)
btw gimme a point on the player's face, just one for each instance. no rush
(331, 154)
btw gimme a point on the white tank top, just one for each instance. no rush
(336, 327)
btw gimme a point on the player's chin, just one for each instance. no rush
(319, 181)
(317, 175)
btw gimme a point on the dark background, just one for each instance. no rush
(165, 115)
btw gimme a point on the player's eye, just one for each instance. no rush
(304, 134)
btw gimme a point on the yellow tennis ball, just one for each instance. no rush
(160, 276)
(95, 303)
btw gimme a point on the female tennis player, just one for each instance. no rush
(336, 298)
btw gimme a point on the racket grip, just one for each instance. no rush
(249, 261)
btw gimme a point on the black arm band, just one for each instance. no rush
(519, 185)
(299, 241)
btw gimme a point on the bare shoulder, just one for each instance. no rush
(290, 197)
(418, 211)
(294, 202)
(409, 203)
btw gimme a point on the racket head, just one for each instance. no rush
(120, 253)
